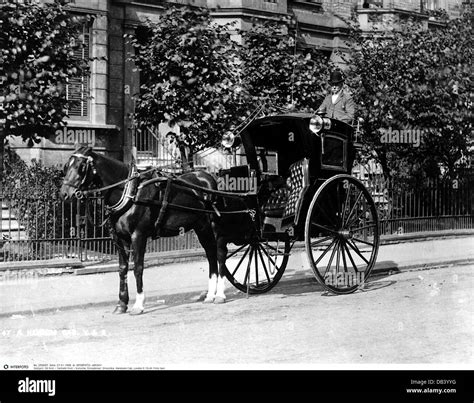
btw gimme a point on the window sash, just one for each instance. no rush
(78, 88)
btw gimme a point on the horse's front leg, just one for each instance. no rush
(208, 242)
(138, 246)
(124, 256)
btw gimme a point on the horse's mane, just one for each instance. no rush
(87, 150)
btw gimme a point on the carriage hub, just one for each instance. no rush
(345, 234)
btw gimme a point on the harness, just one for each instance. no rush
(130, 193)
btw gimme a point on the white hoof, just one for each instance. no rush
(219, 300)
(138, 306)
(208, 300)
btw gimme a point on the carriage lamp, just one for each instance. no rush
(228, 140)
(316, 124)
(327, 123)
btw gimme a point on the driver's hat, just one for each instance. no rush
(336, 77)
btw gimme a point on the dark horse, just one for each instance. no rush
(137, 213)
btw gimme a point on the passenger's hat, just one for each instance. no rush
(336, 77)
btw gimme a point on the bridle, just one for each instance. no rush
(80, 193)
(89, 168)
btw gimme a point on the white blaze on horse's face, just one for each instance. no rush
(75, 175)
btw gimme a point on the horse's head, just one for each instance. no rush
(79, 173)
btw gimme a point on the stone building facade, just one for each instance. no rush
(104, 121)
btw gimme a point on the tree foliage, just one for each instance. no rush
(277, 71)
(208, 78)
(188, 75)
(32, 192)
(37, 60)
(416, 78)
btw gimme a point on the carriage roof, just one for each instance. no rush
(290, 136)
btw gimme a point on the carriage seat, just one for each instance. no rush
(275, 192)
(276, 203)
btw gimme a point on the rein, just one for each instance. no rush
(129, 193)
(80, 194)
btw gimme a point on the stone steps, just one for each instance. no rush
(10, 228)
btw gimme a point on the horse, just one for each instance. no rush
(144, 205)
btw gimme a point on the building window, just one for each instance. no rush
(431, 4)
(372, 3)
(78, 88)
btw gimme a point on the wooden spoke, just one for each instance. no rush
(317, 242)
(270, 258)
(345, 202)
(356, 250)
(241, 260)
(362, 241)
(326, 251)
(353, 207)
(263, 264)
(343, 256)
(328, 267)
(326, 215)
(247, 274)
(256, 266)
(348, 225)
(331, 231)
(236, 251)
(350, 257)
(364, 227)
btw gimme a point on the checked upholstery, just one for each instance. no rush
(299, 182)
(275, 205)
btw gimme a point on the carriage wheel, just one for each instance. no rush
(342, 234)
(257, 267)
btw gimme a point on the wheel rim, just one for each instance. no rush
(342, 235)
(258, 266)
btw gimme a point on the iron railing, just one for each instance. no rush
(45, 229)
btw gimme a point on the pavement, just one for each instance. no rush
(29, 292)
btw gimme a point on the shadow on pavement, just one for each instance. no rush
(288, 287)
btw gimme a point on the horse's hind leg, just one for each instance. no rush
(221, 248)
(138, 246)
(123, 270)
(208, 242)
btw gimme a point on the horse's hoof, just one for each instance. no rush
(136, 311)
(219, 300)
(120, 309)
(208, 300)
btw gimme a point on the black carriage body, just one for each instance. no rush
(283, 150)
(302, 164)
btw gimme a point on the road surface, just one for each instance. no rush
(412, 317)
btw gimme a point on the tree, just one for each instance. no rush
(37, 62)
(195, 74)
(415, 79)
(278, 71)
(188, 71)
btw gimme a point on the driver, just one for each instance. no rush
(338, 104)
